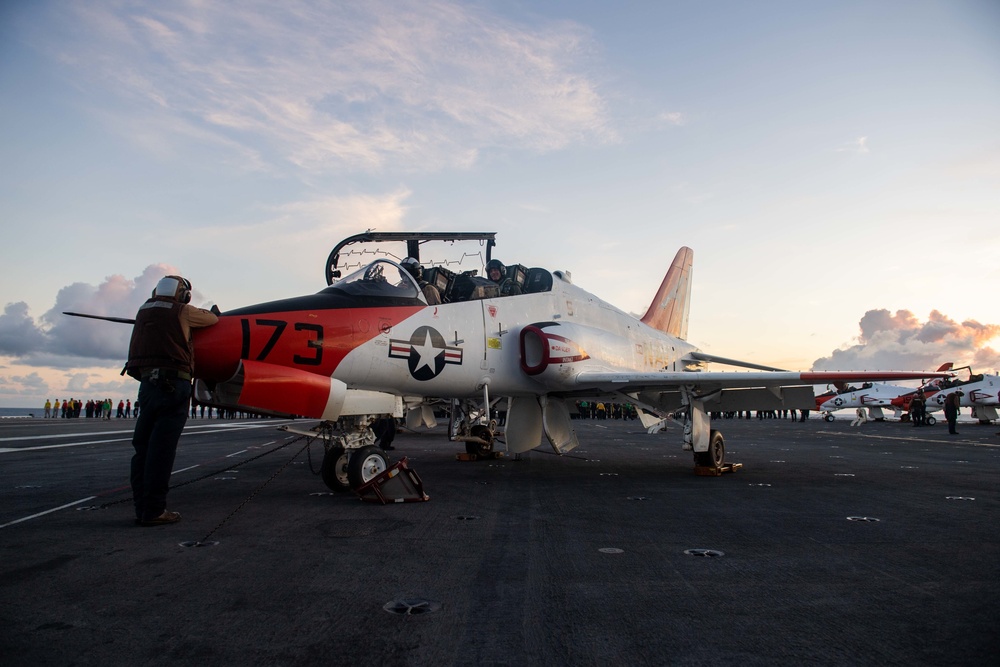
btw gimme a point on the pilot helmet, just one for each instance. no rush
(495, 264)
(413, 266)
(174, 287)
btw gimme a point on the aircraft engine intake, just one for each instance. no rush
(545, 353)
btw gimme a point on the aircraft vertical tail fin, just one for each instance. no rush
(669, 310)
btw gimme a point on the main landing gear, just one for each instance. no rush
(480, 438)
(706, 443)
(472, 424)
(350, 457)
(715, 457)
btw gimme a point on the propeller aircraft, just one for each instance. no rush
(369, 345)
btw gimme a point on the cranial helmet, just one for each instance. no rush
(413, 266)
(495, 264)
(174, 287)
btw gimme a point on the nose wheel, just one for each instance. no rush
(366, 464)
(334, 469)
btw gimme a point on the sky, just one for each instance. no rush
(835, 166)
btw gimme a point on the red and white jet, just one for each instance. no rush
(981, 392)
(369, 344)
(872, 396)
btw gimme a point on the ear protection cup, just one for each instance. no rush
(184, 291)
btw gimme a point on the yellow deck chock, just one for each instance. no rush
(712, 471)
(465, 456)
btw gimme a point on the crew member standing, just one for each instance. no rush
(918, 408)
(161, 357)
(951, 402)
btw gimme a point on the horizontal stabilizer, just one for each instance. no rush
(711, 358)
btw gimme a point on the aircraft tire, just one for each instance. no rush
(930, 421)
(365, 464)
(828, 418)
(483, 432)
(715, 457)
(334, 469)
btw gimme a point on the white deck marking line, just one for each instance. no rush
(194, 427)
(54, 509)
(8, 450)
(227, 428)
(895, 437)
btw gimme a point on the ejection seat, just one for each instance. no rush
(537, 280)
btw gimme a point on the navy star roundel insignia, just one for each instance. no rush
(426, 353)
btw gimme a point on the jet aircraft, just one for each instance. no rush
(981, 392)
(369, 345)
(872, 396)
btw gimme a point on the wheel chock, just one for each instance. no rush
(712, 471)
(465, 456)
(397, 484)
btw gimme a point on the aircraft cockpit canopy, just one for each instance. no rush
(380, 279)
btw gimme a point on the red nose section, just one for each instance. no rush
(217, 350)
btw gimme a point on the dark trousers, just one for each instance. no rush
(157, 430)
(952, 418)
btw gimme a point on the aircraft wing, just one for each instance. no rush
(619, 381)
(727, 390)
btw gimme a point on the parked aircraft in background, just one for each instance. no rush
(871, 396)
(370, 345)
(980, 392)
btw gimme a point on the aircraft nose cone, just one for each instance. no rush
(217, 350)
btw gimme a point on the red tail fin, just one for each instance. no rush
(669, 310)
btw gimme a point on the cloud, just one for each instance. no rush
(18, 332)
(60, 341)
(672, 118)
(859, 145)
(23, 385)
(418, 84)
(901, 341)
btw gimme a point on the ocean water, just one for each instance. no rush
(11, 413)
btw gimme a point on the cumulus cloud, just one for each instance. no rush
(901, 341)
(18, 333)
(348, 85)
(58, 340)
(23, 385)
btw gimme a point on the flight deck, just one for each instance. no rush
(832, 545)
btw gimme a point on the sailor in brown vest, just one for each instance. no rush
(161, 357)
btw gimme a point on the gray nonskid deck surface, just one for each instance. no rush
(576, 560)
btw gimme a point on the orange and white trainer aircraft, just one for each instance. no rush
(370, 345)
